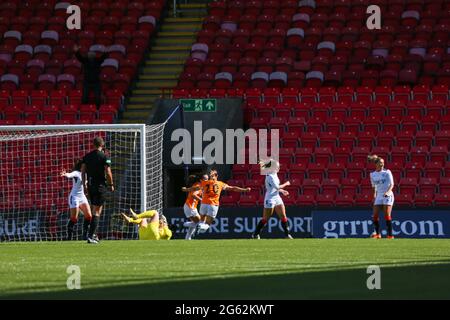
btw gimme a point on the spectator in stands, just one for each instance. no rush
(91, 69)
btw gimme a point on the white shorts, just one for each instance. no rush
(76, 201)
(270, 203)
(188, 212)
(209, 210)
(382, 200)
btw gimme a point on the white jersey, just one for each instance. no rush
(272, 186)
(77, 188)
(381, 181)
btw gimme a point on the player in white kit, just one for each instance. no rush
(77, 201)
(382, 183)
(272, 199)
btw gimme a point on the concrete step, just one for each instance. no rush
(182, 27)
(168, 42)
(189, 10)
(190, 6)
(136, 114)
(179, 56)
(162, 69)
(183, 19)
(156, 84)
(190, 13)
(158, 77)
(165, 62)
(131, 121)
(137, 92)
(171, 48)
(147, 92)
(177, 34)
(143, 99)
(134, 107)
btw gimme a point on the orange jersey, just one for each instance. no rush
(191, 202)
(211, 191)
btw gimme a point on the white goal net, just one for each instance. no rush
(34, 197)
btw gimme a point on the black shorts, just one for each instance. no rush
(97, 194)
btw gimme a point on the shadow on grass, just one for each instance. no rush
(406, 282)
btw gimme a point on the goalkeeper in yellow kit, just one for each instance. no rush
(152, 226)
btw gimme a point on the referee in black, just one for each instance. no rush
(97, 167)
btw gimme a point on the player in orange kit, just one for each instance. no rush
(190, 206)
(211, 190)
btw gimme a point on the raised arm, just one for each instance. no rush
(67, 174)
(78, 54)
(189, 189)
(237, 189)
(284, 185)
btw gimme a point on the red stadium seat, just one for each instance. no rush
(423, 200)
(310, 187)
(306, 200)
(325, 200)
(442, 200)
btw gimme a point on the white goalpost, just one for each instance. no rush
(34, 198)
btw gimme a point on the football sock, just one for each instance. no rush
(389, 225)
(93, 226)
(376, 225)
(86, 223)
(189, 224)
(284, 224)
(190, 231)
(70, 226)
(260, 226)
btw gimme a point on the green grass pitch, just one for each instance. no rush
(227, 269)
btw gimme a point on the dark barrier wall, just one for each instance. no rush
(235, 223)
(227, 116)
(305, 223)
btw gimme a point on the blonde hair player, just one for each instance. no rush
(272, 199)
(382, 183)
(152, 225)
(77, 201)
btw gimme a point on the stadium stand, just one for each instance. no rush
(320, 43)
(40, 77)
(336, 91)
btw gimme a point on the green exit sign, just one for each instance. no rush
(199, 105)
